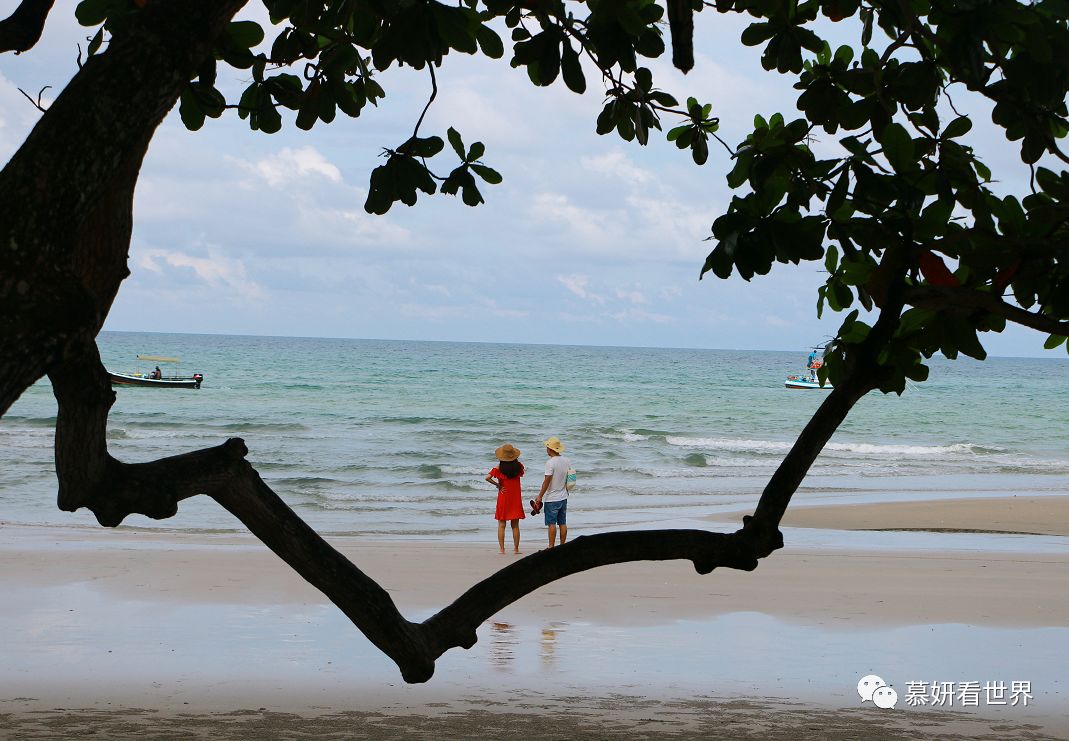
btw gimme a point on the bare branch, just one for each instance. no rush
(20, 31)
(434, 94)
(36, 103)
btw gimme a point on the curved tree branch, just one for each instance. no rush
(22, 29)
(112, 490)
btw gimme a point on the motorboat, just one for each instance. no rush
(809, 380)
(156, 378)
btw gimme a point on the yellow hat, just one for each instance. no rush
(554, 444)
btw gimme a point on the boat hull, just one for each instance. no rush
(805, 383)
(167, 382)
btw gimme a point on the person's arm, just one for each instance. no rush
(542, 491)
(491, 480)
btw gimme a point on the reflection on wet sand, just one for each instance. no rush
(549, 645)
(502, 645)
(505, 646)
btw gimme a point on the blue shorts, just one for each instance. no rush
(556, 512)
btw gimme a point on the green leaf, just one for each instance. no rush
(571, 69)
(456, 142)
(831, 259)
(245, 34)
(94, 12)
(422, 147)
(488, 174)
(674, 133)
(477, 150)
(958, 127)
(490, 42)
(190, 109)
(96, 41)
(897, 147)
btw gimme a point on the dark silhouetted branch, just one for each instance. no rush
(21, 30)
(939, 297)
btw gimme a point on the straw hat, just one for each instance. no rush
(554, 444)
(507, 453)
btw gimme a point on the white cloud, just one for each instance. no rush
(214, 270)
(633, 295)
(616, 164)
(631, 316)
(589, 228)
(577, 284)
(281, 168)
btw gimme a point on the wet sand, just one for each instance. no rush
(129, 633)
(1046, 515)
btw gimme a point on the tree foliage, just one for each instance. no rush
(872, 176)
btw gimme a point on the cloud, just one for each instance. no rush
(577, 284)
(588, 227)
(631, 316)
(287, 165)
(634, 295)
(214, 270)
(616, 164)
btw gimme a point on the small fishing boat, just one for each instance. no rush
(809, 381)
(156, 378)
(804, 382)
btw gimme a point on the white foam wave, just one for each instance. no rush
(862, 449)
(628, 436)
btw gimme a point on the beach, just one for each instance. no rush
(926, 546)
(197, 635)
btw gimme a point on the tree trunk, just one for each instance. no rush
(67, 193)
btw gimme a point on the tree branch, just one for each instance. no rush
(112, 490)
(938, 297)
(21, 30)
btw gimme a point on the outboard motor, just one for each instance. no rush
(198, 377)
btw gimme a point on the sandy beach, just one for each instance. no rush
(129, 632)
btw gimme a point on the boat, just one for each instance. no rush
(809, 380)
(804, 382)
(156, 378)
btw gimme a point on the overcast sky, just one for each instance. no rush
(589, 240)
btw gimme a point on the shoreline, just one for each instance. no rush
(210, 635)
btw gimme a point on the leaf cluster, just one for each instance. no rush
(904, 213)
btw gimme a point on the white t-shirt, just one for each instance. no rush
(557, 466)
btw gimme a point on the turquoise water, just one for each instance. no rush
(394, 437)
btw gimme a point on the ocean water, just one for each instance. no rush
(393, 438)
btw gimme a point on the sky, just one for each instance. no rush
(589, 239)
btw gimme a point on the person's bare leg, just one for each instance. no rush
(516, 535)
(563, 534)
(552, 535)
(501, 535)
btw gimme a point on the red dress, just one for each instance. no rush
(509, 500)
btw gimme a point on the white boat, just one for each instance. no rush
(804, 382)
(809, 380)
(156, 378)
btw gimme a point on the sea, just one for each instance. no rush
(393, 439)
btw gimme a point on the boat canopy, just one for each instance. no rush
(157, 358)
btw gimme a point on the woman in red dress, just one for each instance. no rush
(506, 477)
